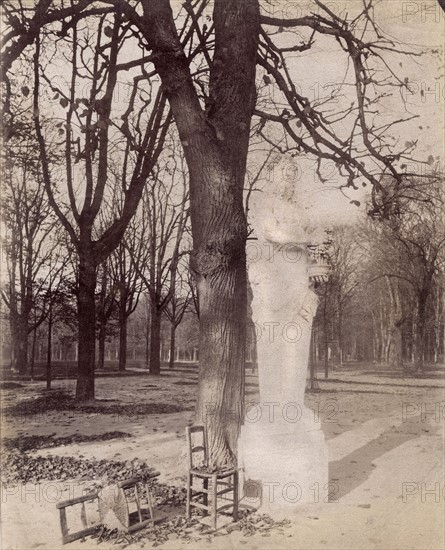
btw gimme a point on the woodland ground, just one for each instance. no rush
(385, 437)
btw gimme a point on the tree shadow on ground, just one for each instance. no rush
(354, 469)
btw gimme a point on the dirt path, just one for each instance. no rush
(386, 463)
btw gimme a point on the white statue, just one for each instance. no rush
(282, 447)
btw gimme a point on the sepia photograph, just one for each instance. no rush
(222, 291)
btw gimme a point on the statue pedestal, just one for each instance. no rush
(285, 463)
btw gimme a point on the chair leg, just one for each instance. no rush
(188, 508)
(205, 498)
(150, 503)
(235, 496)
(214, 500)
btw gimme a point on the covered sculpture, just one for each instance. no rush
(282, 450)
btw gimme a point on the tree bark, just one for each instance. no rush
(395, 347)
(49, 350)
(21, 345)
(101, 340)
(222, 354)
(122, 334)
(87, 323)
(171, 362)
(340, 337)
(155, 341)
(147, 339)
(420, 331)
(33, 352)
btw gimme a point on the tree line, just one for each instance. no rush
(384, 301)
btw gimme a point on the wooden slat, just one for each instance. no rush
(225, 483)
(198, 505)
(139, 525)
(138, 504)
(83, 516)
(199, 491)
(225, 507)
(63, 523)
(235, 496)
(149, 501)
(214, 509)
(142, 524)
(224, 491)
(77, 500)
(194, 429)
(127, 483)
(201, 473)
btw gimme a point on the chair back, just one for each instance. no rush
(197, 446)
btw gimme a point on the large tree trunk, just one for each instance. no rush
(215, 144)
(147, 339)
(87, 321)
(33, 352)
(222, 301)
(21, 345)
(420, 331)
(395, 346)
(122, 334)
(155, 341)
(340, 337)
(101, 340)
(438, 306)
(49, 347)
(171, 361)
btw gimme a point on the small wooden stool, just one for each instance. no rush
(228, 479)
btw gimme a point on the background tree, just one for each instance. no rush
(29, 223)
(412, 245)
(165, 209)
(106, 306)
(88, 142)
(127, 261)
(179, 305)
(345, 258)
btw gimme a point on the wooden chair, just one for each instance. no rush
(211, 480)
(124, 493)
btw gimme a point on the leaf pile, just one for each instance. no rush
(10, 385)
(258, 523)
(193, 531)
(133, 409)
(176, 528)
(23, 467)
(46, 402)
(18, 467)
(32, 442)
(61, 401)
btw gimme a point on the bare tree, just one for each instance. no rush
(105, 308)
(412, 255)
(29, 244)
(165, 207)
(89, 141)
(126, 267)
(207, 66)
(345, 257)
(179, 305)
